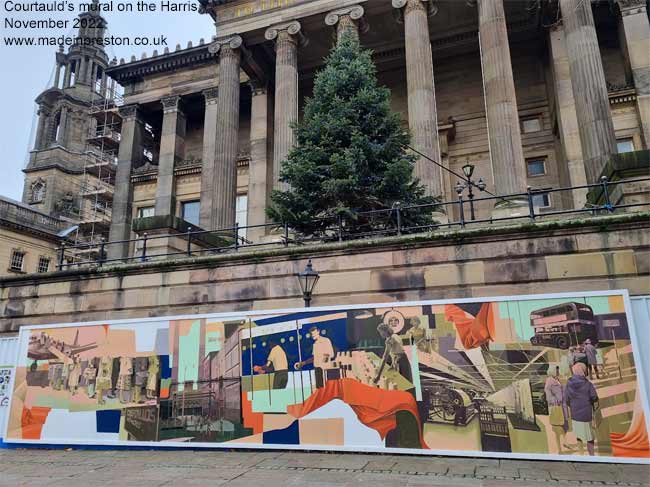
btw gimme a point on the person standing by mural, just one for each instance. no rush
(592, 358)
(582, 399)
(277, 363)
(554, 393)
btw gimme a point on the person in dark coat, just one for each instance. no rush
(582, 399)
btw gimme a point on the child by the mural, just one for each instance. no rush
(582, 399)
(277, 363)
(558, 415)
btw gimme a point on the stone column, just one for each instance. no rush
(504, 133)
(81, 72)
(287, 38)
(93, 75)
(207, 172)
(67, 76)
(347, 21)
(589, 87)
(259, 171)
(636, 30)
(63, 122)
(130, 155)
(224, 183)
(57, 75)
(172, 150)
(103, 84)
(41, 136)
(566, 114)
(422, 111)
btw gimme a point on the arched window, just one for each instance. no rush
(38, 191)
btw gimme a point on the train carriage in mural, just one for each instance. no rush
(473, 376)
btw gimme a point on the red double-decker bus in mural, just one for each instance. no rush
(563, 325)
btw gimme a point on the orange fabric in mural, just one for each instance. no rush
(634, 443)
(251, 419)
(473, 331)
(32, 422)
(376, 408)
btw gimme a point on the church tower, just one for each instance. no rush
(63, 163)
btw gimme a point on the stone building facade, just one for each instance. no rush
(539, 97)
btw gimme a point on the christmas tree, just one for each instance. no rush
(350, 154)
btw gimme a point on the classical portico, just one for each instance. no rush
(488, 82)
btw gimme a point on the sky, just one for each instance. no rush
(26, 71)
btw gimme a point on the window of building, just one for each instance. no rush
(17, 261)
(625, 145)
(530, 125)
(38, 192)
(536, 167)
(190, 212)
(146, 211)
(242, 213)
(43, 264)
(541, 199)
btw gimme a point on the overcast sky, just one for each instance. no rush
(27, 71)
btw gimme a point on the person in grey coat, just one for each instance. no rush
(592, 358)
(581, 397)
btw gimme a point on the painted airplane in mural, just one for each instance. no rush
(43, 347)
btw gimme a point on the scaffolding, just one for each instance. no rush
(100, 165)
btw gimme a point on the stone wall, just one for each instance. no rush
(611, 252)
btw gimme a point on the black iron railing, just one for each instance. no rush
(378, 223)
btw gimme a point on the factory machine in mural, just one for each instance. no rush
(528, 376)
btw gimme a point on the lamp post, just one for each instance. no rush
(468, 170)
(308, 279)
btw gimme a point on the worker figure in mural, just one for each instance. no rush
(323, 355)
(152, 377)
(125, 379)
(558, 417)
(103, 381)
(276, 363)
(582, 399)
(141, 366)
(592, 358)
(394, 353)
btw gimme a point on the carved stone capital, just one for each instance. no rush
(353, 14)
(287, 32)
(631, 7)
(406, 6)
(128, 112)
(211, 96)
(225, 44)
(171, 103)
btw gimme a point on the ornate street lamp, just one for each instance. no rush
(308, 279)
(468, 171)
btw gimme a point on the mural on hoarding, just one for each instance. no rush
(536, 376)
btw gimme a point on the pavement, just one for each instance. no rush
(72, 468)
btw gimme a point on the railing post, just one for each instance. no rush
(236, 232)
(608, 203)
(286, 234)
(61, 256)
(189, 241)
(340, 223)
(461, 211)
(398, 211)
(102, 245)
(143, 257)
(531, 206)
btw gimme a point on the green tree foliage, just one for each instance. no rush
(350, 156)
